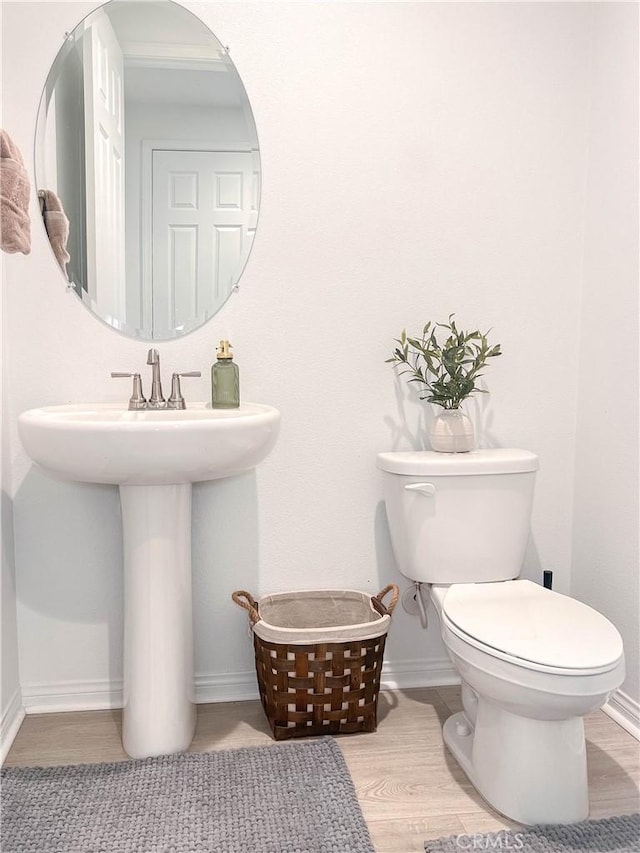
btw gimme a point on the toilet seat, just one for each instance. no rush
(535, 628)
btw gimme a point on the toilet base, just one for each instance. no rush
(532, 771)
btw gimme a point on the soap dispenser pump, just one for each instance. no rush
(225, 379)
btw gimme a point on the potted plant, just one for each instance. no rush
(448, 371)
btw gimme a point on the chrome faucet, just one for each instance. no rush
(156, 400)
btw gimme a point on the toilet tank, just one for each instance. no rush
(459, 517)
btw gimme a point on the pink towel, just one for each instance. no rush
(15, 224)
(57, 225)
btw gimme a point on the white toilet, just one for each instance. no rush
(532, 661)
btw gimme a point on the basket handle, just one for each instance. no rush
(377, 600)
(250, 604)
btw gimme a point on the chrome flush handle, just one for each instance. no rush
(176, 400)
(137, 400)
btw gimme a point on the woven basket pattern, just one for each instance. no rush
(319, 689)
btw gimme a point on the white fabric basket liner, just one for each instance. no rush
(319, 616)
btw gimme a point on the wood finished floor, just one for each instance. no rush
(410, 788)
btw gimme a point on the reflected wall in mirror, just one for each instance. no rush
(148, 168)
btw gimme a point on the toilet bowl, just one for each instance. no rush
(532, 662)
(520, 737)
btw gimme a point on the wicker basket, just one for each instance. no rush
(319, 677)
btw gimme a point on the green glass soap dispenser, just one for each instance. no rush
(225, 379)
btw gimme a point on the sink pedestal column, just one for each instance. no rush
(159, 714)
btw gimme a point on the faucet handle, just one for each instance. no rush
(176, 400)
(137, 400)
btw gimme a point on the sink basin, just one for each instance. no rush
(106, 443)
(153, 457)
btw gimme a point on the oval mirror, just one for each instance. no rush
(147, 168)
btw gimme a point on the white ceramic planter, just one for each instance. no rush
(452, 432)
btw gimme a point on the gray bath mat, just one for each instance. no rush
(609, 835)
(289, 798)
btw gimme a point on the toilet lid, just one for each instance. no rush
(527, 621)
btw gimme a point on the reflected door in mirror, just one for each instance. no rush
(104, 167)
(204, 213)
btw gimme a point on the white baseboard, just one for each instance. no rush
(226, 687)
(90, 695)
(396, 675)
(84, 695)
(430, 672)
(11, 721)
(625, 711)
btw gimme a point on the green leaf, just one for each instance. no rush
(447, 369)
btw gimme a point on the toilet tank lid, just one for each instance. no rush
(429, 463)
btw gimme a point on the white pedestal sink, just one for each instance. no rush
(154, 457)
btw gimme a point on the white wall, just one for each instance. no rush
(605, 548)
(418, 159)
(10, 698)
